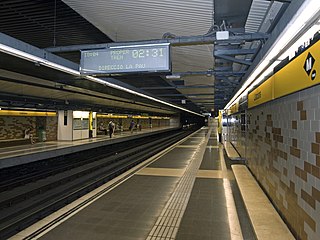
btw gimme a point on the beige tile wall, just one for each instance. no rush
(283, 152)
(14, 127)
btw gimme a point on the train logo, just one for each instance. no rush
(308, 66)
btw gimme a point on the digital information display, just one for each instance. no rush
(126, 59)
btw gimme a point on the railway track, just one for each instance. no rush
(41, 191)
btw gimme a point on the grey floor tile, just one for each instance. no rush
(177, 158)
(137, 204)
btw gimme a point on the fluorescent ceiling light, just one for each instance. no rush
(36, 60)
(306, 12)
(141, 45)
(173, 76)
(44, 62)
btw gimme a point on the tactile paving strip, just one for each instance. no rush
(167, 224)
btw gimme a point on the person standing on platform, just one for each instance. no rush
(111, 127)
(131, 127)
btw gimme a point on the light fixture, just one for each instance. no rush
(305, 14)
(29, 57)
(37, 60)
(141, 45)
(174, 76)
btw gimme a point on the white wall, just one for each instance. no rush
(80, 134)
(65, 131)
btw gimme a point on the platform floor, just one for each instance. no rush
(187, 192)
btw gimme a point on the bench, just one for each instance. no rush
(101, 132)
(264, 218)
(231, 151)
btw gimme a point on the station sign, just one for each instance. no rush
(302, 72)
(126, 59)
(261, 94)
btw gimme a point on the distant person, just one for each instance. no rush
(28, 135)
(102, 129)
(131, 127)
(111, 127)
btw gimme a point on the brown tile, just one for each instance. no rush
(292, 187)
(294, 125)
(316, 194)
(276, 131)
(295, 152)
(285, 172)
(303, 115)
(317, 137)
(280, 153)
(269, 117)
(300, 105)
(315, 148)
(303, 235)
(275, 137)
(294, 142)
(279, 131)
(315, 171)
(269, 123)
(268, 135)
(307, 167)
(308, 219)
(318, 160)
(300, 173)
(309, 199)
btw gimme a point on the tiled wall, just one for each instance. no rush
(51, 128)
(14, 127)
(283, 152)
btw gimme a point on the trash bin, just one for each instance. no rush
(42, 135)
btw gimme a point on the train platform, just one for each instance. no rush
(17, 155)
(188, 191)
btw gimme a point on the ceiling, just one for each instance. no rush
(210, 73)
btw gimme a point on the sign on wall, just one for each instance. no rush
(300, 73)
(126, 59)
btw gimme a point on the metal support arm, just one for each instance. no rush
(178, 41)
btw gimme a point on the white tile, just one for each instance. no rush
(315, 125)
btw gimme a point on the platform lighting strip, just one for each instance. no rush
(44, 62)
(141, 45)
(26, 113)
(306, 12)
